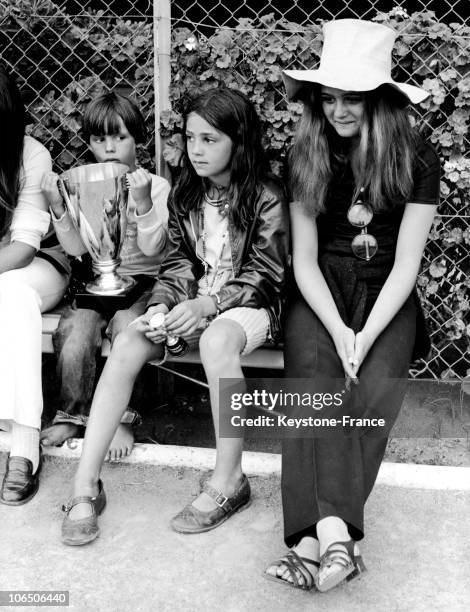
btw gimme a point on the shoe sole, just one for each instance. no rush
(287, 583)
(211, 527)
(356, 572)
(68, 542)
(21, 501)
(335, 580)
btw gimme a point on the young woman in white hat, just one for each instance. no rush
(365, 188)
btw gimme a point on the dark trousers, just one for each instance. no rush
(77, 344)
(334, 476)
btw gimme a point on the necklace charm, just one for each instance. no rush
(223, 210)
(222, 203)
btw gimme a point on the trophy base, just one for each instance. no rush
(109, 303)
(110, 284)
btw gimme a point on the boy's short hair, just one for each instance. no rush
(101, 117)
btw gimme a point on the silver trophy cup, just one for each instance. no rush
(95, 197)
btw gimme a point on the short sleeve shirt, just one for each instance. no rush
(335, 233)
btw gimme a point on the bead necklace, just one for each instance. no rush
(222, 203)
(204, 253)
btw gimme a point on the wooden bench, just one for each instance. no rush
(265, 357)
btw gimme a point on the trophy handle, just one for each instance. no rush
(64, 190)
(80, 222)
(125, 200)
(87, 235)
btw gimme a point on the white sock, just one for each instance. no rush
(25, 443)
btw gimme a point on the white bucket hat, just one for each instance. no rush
(356, 56)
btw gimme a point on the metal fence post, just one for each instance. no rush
(162, 74)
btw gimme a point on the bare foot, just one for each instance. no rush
(122, 443)
(56, 434)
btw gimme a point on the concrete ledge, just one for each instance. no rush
(405, 475)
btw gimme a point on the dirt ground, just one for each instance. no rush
(433, 427)
(138, 564)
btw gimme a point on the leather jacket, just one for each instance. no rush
(259, 259)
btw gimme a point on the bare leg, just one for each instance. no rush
(130, 351)
(123, 439)
(220, 347)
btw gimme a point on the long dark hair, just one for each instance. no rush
(386, 151)
(232, 113)
(12, 126)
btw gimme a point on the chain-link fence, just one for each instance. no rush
(64, 52)
(245, 44)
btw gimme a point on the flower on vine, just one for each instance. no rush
(399, 12)
(190, 43)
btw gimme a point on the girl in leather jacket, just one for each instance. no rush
(220, 289)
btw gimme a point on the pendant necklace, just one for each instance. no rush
(221, 202)
(204, 253)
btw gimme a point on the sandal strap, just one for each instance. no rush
(220, 499)
(81, 499)
(295, 564)
(342, 557)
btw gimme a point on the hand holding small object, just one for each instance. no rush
(188, 316)
(152, 326)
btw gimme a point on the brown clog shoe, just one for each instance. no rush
(76, 532)
(192, 520)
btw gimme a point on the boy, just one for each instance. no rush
(113, 126)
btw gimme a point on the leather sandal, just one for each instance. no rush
(76, 532)
(349, 565)
(297, 568)
(193, 520)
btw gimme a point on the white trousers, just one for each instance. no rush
(24, 294)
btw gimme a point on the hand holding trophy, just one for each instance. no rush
(95, 196)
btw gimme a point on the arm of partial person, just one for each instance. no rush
(31, 219)
(414, 230)
(16, 255)
(313, 286)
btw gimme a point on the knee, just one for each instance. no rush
(72, 348)
(126, 354)
(77, 335)
(120, 321)
(218, 347)
(14, 290)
